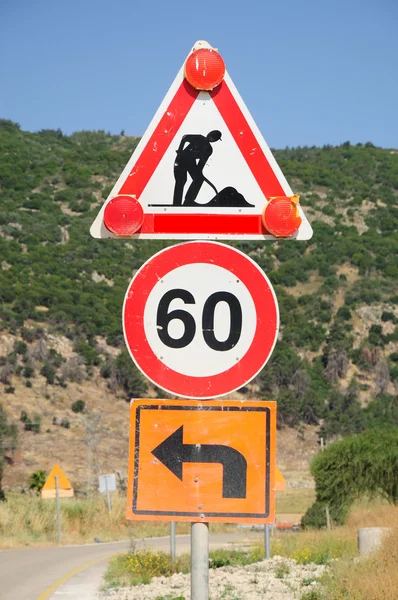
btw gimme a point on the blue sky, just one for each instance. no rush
(310, 72)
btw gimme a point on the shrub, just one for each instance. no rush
(139, 567)
(65, 423)
(20, 348)
(311, 595)
(49, 373)
(37, 480)
(315, 518)
(282, 570)
(78, 406)
(29, 335)
(344, 313)
(388, 316)
(33, 424)
(89, 354)
(224, 558)
(129, 378)
(28, 372)
(8, 442)
(73, 370)
(376, 335)
(106, 370)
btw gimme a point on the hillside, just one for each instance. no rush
(334, 369)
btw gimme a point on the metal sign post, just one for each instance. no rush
(107, 484)
(108, 496)
(58, 508)
(173, 541)
(199, 561)
(267, 541)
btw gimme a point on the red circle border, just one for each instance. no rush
(267, 317)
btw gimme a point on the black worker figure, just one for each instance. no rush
(192, 154)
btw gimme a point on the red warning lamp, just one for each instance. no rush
(281, 216)
(123, 215)
(204, 69)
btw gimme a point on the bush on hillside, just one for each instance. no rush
(78, 406)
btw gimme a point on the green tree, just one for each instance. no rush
(8, 442)
(365, 464)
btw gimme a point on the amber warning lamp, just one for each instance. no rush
(123, 215)
(281, 215)
(204, 69)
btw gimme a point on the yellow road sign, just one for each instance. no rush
(65, 489)
(202, 461)
(280, 481)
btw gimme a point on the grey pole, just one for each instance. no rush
(108, 496)
(267, 542)
(58, 508)
(173, 541)
(199, 561)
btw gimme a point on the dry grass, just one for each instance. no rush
(27, 520)
(373, 578)
(30, 521)
(294, 501)
(351, 578)
(373, 514)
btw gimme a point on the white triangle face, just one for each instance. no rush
(193, 185)
(225, 168)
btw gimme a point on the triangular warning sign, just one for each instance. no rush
(202, 170)
(280, 481)
(64, 486)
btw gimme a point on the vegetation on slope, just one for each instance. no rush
(336, 363)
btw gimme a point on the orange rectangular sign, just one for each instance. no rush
(191, 460)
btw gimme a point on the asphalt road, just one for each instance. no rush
(36, 573)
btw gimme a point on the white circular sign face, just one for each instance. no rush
(204, 281)
(200, 319)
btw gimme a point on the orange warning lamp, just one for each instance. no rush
(123, 215)
(281, 215)
(204, 69)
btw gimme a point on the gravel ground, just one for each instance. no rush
(275, 579)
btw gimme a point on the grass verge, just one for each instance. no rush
(31, 521)
(28, 520)
(369, 578)
(348, 577)
(318, 547)
(139, 567)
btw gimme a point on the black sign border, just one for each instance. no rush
(204, 407)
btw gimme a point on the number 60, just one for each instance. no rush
(163, 318)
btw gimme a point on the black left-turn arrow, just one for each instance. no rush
(172, 452)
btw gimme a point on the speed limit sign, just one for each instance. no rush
(200, 319)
